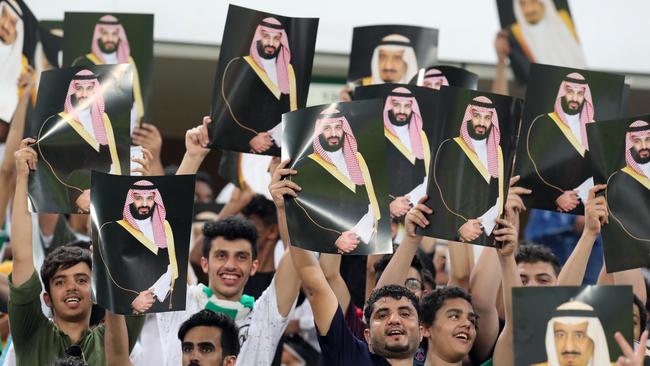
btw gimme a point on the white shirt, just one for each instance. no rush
(110, 58)
(645, 168)
(403, 133)
(85, 117)
(337, 158)
(480, 147)
(146, 228)
(574, 124)
(271, 69)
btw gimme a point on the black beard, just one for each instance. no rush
(476, 136)
(394, 121)
(330, 148)
(260, 51)
(636, 155)
(569, 111)
(398, 352)
(137, 215)
(102, 47)
(75, 102)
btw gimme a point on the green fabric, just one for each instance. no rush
(487, 363)
(38, 341)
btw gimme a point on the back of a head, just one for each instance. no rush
(393, 291)
(229, 331)
(434, 301)
(63, 257)
(534, 253)
(231, 228)
(382, 263)
(263, 208)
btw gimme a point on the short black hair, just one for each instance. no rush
(434, 300)
(533, 253)
(263, 208)
(394, 291)
(382, 263)
(204, 177)
(643, 313)
(230, 228)
(63, 257)
(68, 361)
(229, 331)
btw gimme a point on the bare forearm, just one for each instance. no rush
(632, 277)
(459, 271)
(116, 340)
(157, 167)
(190, 164)
(510, 280)
(331, 266)
(397, 269)
(574, 269)
(500, 83)
(371, 275)
(287, 284)
(21, 230)
(484, 287)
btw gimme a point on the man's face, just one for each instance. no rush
(454, 330)
(533, 10)
(402, 109)
(572, 344)
(641, 144)
(394, 330)
(8, 21)
(108, 39)
(392, 66)
(84, 92)
(229, 266)
(202, 346)
(203, 192)
(537, 274)
(144, 203)
(270, 42)
(433, 83)
(574, 97)
(333, 133)
(268, 234)
(481, 122)
(70, 293)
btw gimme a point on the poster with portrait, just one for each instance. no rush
(409, 114)
(141, 235)
(339, 152)
(553, 156)
(81, 123)
(565, 325)
(390, 53)
(264, 71)
(621, 159)
(471, 164)
(246, 170)
(540, 31)
(435, 77)
(114, 38)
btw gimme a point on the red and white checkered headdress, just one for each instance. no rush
(637, 129)
(111, 23)
(415, 125)
(484, 105)
(576, 81)
(86, 77)
(144, 187)
(434, 75)
(272, 25)
(349, 143)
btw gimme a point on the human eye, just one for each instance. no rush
(187, 348)
(206, 348)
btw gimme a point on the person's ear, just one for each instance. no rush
(421, 333)
(254, 266)
(366, 335)
(424, 332)
(47, 299)
(204, 264)
(229, 361)
(273, 233)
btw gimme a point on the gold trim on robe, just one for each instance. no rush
(515, 28)
(399, 145)
(568, 133)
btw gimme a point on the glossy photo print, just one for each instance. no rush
(390, 53)
(13, 63)
(247, 170)
(435, 77)
(264, 71)
(339, 153)
(81, 123)
(471, 166)
(553, 156)
(141, 234)
(408, 119)
(621, 159)
(114, 38)
(575, 326)
(540, 31)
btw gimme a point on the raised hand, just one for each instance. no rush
(417, 217)
(514, 201)
(25, 157)
(197, 139)
(596, 213)
(283, 187)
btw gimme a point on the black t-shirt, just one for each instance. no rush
(340, 347)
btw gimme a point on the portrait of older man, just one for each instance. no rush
(393, 61)
(12, 60)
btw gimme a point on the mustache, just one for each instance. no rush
(571, 353)
(389, 70)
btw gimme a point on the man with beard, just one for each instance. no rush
(75, 141)
(143, 236)
(628, 192)
(473, 206)
(110, 46)
(210, 339)
(434, 79)
(341, 171)
(393, 61)
(408, 153)
(558, 149)
(270, 84)
(12, 60)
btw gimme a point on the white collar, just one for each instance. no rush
(271, 69)
(338, 159)
(645, 168)
(84, 116)
(403, 134)
(109, 58)
(480, 147)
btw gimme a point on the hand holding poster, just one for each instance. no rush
(471, 166)
(621, 159)
(81, 122)
(264, 70)
(435, 77)
(553, 157)
(338, 151)
(141, 231)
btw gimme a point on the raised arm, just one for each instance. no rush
(596, 215)
(634, 278)
(331, 266)
(148, 136)
(397, 269)
(460, 268)
(116, 340)
(196, 142)
(21, 219)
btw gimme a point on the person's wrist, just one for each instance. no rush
(589, 233)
